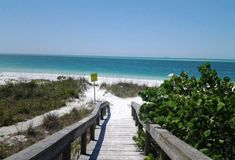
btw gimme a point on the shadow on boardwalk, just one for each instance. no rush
(96, 151)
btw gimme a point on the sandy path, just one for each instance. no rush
(118, 131)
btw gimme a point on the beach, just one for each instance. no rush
(102, 95)
(24, 76)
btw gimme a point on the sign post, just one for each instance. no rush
(94, 78)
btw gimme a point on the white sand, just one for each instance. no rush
(6, 76)
(102, 95)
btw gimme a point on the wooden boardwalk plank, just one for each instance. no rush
(113, 140)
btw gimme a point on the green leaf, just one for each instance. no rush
(232, 122)
(180, 125)
(204, 150)
(209, 145)
(221, 141)
(199, 101)
(220, 106)
(207, 133)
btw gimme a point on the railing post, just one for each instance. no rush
(132, 111)
(66, 155)
(136, 121)
(98, 119)
(83, 142)
(140, 127)
(108, 109)
(163, 155)
(105, 111)
(134, 115)
(147, 141)
(92, 132)
(102, 114)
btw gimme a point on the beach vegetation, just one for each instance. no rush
(20, 101)
(123, 89)
(199, 111)
(75, 114)
(30, 131)
(5, 149)
(149, 157)
(52, 123)
(139, 139)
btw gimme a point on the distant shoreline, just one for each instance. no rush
(27, 76)
(84, 74)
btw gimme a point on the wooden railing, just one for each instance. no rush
(170, 146)
(59, 144)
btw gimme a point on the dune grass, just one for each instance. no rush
(123, 89)
(52, 123)
(20, 101)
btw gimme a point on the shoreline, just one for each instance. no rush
(28, 76)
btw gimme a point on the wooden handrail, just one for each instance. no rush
(60, 142)
(170, 145)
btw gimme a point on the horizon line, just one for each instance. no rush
(112, 56)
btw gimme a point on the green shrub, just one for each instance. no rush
(74, 116)
(79, 113)
(149, 157)
(23, 109)
(201, 112)
(123, 90)
(51, 122)
(7, 118)
(139, 139)
(20, 101)
(4, 150)
(31, 131)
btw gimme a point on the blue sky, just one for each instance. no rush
(155, 28)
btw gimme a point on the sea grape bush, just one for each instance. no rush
(199, 111)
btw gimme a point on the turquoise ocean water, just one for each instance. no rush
(129, 67)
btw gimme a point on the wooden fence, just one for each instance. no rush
(170, 146)
(59, 144)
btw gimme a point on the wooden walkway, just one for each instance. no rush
(114, 138)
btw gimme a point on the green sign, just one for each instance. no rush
(94, 77)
